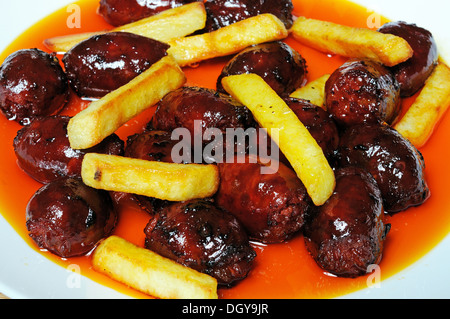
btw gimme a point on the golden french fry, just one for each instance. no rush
(227, 40)
(169, 24)
(351, 42)
(313, 91)
(104, 116)
(294, 139)
(422, 117)
(168, 181)
(150, 273)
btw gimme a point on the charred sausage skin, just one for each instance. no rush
(397, 166)
(362, 91)
(68, 218)
(346, 234)
(411, 75)
(43, 150)
(32, 84)
(283, 68)
(204, 237)
(105, 62)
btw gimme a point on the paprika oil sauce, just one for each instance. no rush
(280, 270)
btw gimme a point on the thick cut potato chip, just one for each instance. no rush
(294, 139)
(421, 118)
(151, 273)
(227, 40)
(169, 24)
(167, 181)
(104, 116)
(351, 42)
(313, 91)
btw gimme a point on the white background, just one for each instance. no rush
(29, 275)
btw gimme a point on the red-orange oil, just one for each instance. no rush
(281, 270)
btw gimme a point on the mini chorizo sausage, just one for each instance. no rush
(283, 68)
(411, 75)
(68, 218)
(347, 233)
(120, 12)
(105, 62)
(180, 108)
(318, 122)
(43, 150)
(197, 109)
(271, 205)
(362, 92)
(397, 166)
(221, 13)
(32, 84)
(204, 237)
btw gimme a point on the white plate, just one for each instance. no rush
(27, 274)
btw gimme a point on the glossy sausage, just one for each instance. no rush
(209, 109)
(150, 146)
(397, 166)
(283, 68)
(346, 235)
(221, 13)
(120, 12)
(43, 150)
(202, 236)
(362, 91)
(108, 61)
(411, 75)
(271, 205)
(32, 84)
(68, 218)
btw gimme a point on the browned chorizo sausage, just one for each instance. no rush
(397, 166)
(105, 62)
(272, 205)
(362, 92)
(347, 233)
(68, 218)
(43, 150)
(411, 75)
(32, 84)
(283, 68)
(120, 12)
(202, 236)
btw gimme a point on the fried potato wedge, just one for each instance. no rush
(227, 40)
(104, 116)
(313, 91)
(419, 121)
(294, 139)
(351, 42)
(169, 24)
(150, 273)
(168, 181)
